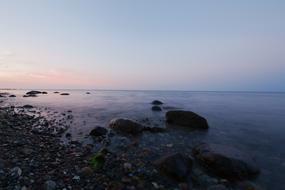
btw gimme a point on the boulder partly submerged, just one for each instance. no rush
(186, 118)
(33, 92)
(156, 102)
(126, 126)
(226, 162)
(176, 166)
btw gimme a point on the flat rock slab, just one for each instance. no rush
(186, 118)
(225, 161)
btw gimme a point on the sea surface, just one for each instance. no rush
(250, 121)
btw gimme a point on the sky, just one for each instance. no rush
(143, 44)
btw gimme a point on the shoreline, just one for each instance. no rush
(39, 160)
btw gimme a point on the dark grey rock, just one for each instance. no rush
(98, 131)
(64, 94)
(49, 185)
(226, 162)
(28, 106)
(186, 118)
(126, 126)
(176, 166)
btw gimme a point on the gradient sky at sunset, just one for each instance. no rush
(143, 44)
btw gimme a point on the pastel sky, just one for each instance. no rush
(143, 44)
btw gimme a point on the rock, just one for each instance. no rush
(64, 94)
(15, 172)
(44, 93)
(56, 92)
(34, 92)
(175, 166)
(126, 126)
(30, 95)
(225, 162)
(127, 166)
(186, 118)
(12, 96)
(98, 131)
(87, 92)
(28, 106)
(156, 102)
(49, 185)
(68, 135)
(156, 108)
(86, 171)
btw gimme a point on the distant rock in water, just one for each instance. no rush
(126, 126)
(225, 161)
(33, 92)
(1, 96)
(64, 94)
(176, 166)
(28, 107)
(12, 96)
(156, 108)
(56, 92)
(87, 92)
(156, 102)
(44, 93)
(186, 118)
(98, 131)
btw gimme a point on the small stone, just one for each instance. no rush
(28, 107)
(49, 185)
(64, 94)
(15, 172)
(127, 166)
(76, 177)
(86, 171)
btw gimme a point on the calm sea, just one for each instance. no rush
(252, 122)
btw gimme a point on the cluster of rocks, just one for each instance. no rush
(33, 93)
(34, 158)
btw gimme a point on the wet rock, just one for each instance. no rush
(126, 126)
(98, 131)
(156, 102)
(56, 92)
(44, 93)
(156, 108)
(87, 92)
(34, 92)
(86, 171)
(15, 172)
(226, 162)
(64, 94)
(186, 118)
(49, 185)
(176, 166)
(68, 135)
(12, 96)
(28, 106)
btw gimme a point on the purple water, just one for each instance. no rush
(251, 122)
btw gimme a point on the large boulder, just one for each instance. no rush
(226, 162)
(176, 166)
(126, 126)
(186, 118)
